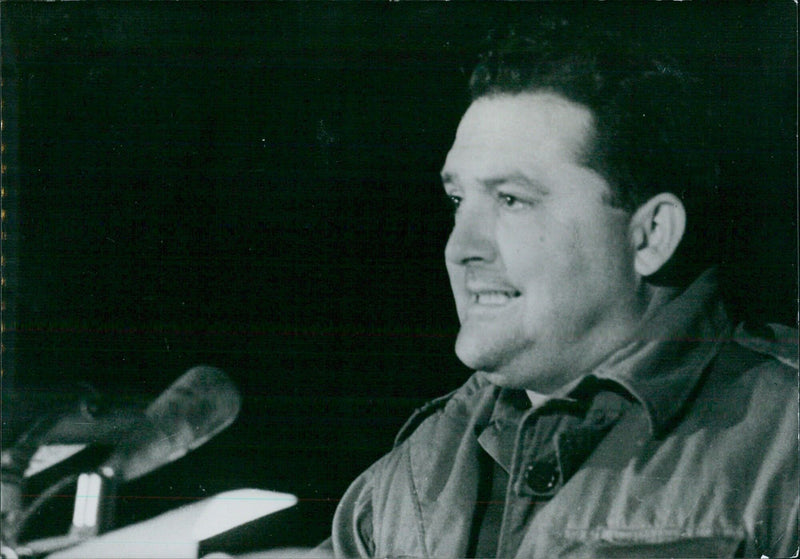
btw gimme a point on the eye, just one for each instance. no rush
(455, 201)
(511, 202)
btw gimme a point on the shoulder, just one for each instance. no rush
(777, 341)
(756, 365)
(764, 360)
(459, 402)
(750, 393)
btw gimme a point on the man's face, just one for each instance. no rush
(541, 266)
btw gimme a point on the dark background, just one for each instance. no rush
(255, 186)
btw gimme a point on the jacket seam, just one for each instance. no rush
(647, 534)
(416, 500)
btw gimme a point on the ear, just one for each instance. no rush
(656, 229)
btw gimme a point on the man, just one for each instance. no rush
(615, 410)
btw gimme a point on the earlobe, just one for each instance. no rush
(657, 228)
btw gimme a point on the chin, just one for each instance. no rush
(472, 356)
(488, 365)
(480, 347)
(505, 374)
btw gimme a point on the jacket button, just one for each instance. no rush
(542, 477)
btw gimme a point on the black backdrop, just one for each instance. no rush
(255, 186)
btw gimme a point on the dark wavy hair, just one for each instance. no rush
(653, 123)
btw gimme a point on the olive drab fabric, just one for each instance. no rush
(699, 460)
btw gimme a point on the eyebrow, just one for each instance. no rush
(493, 182)
(516, 178)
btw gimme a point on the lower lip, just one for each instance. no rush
(478, 306)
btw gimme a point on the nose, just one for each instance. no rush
(472, 238)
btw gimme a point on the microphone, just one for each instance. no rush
(197, 406)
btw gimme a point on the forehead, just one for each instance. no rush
(528, 129)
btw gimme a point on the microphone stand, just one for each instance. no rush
(93, 514)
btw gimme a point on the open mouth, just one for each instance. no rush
(494, 298)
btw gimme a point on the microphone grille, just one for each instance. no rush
(197, 406)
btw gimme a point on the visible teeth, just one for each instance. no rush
(493, 298)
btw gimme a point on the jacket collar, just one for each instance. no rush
(660, 368)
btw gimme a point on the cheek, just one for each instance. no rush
(521, 246)
(582, 250)
(559, 267)
(538, 256)
(602, 261)
(612, 248)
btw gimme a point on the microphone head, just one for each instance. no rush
(197, 406)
